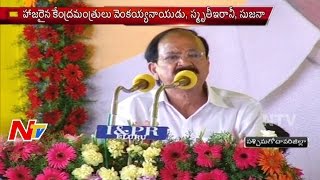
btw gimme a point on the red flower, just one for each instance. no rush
(30, 114)
(70, 129)
(218, 174)
(52, 174)
(34, 75)
(52, 117)
(52, 93)
(19, 173)
(24, 151)
(2, 168)
(75, 52)
(207, 155)
(169, 173)
(75, 90)
(57, 55)
(48, 33)
(203, 176)
(78, 116)
(34, 99)
(245, 157)
(60, 155)
(175, 152)
(54, 75)
(72, 30)
(2, 154)
(30, 33)
(72, 72)
(49, 52)
(34, 54)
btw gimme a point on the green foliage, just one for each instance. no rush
(221, 138)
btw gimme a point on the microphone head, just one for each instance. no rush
(146, 79)
(186, 75)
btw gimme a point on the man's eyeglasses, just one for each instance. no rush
(189, 55)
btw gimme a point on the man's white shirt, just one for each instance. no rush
(225, 111)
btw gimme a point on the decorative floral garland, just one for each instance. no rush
(56, 66)
(71, 157)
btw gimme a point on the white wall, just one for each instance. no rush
(268, 63)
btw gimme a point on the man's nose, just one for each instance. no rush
(184, 60)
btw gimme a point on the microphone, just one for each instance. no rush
(142, 82)
(184, 80)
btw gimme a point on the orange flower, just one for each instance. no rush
(286, 176)
(271, 161)
(272, 177)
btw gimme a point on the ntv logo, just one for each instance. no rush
(34, 130)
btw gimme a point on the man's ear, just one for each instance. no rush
(153, 69)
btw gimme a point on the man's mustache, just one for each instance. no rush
(190, 68)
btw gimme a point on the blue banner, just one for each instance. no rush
(132, 132)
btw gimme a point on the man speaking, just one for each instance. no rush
(201, 109)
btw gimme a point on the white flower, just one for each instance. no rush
(84, 172)
(90, 146)
(92, 157)
(150, 153)
(116, 148)
(267, 133)
(108, 174)
(129, 172)
(148, 169)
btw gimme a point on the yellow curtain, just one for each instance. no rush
(10, 82)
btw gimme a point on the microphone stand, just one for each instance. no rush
(113, 115)
(155, 105)
(114, 107)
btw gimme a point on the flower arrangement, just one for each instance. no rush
(55, 65)
(220, 157)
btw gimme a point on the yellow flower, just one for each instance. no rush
(83, 172)
(150, 153)
(134, 150)
(148, 169)
(108, 174)
(90, 146)
(92, 157)
(157, 144)
(116, 147)
(30, 3)
(129, 172)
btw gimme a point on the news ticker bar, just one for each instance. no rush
(136, 15)
(276, 142)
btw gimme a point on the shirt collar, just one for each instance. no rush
(213, 97)
(163, 97)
